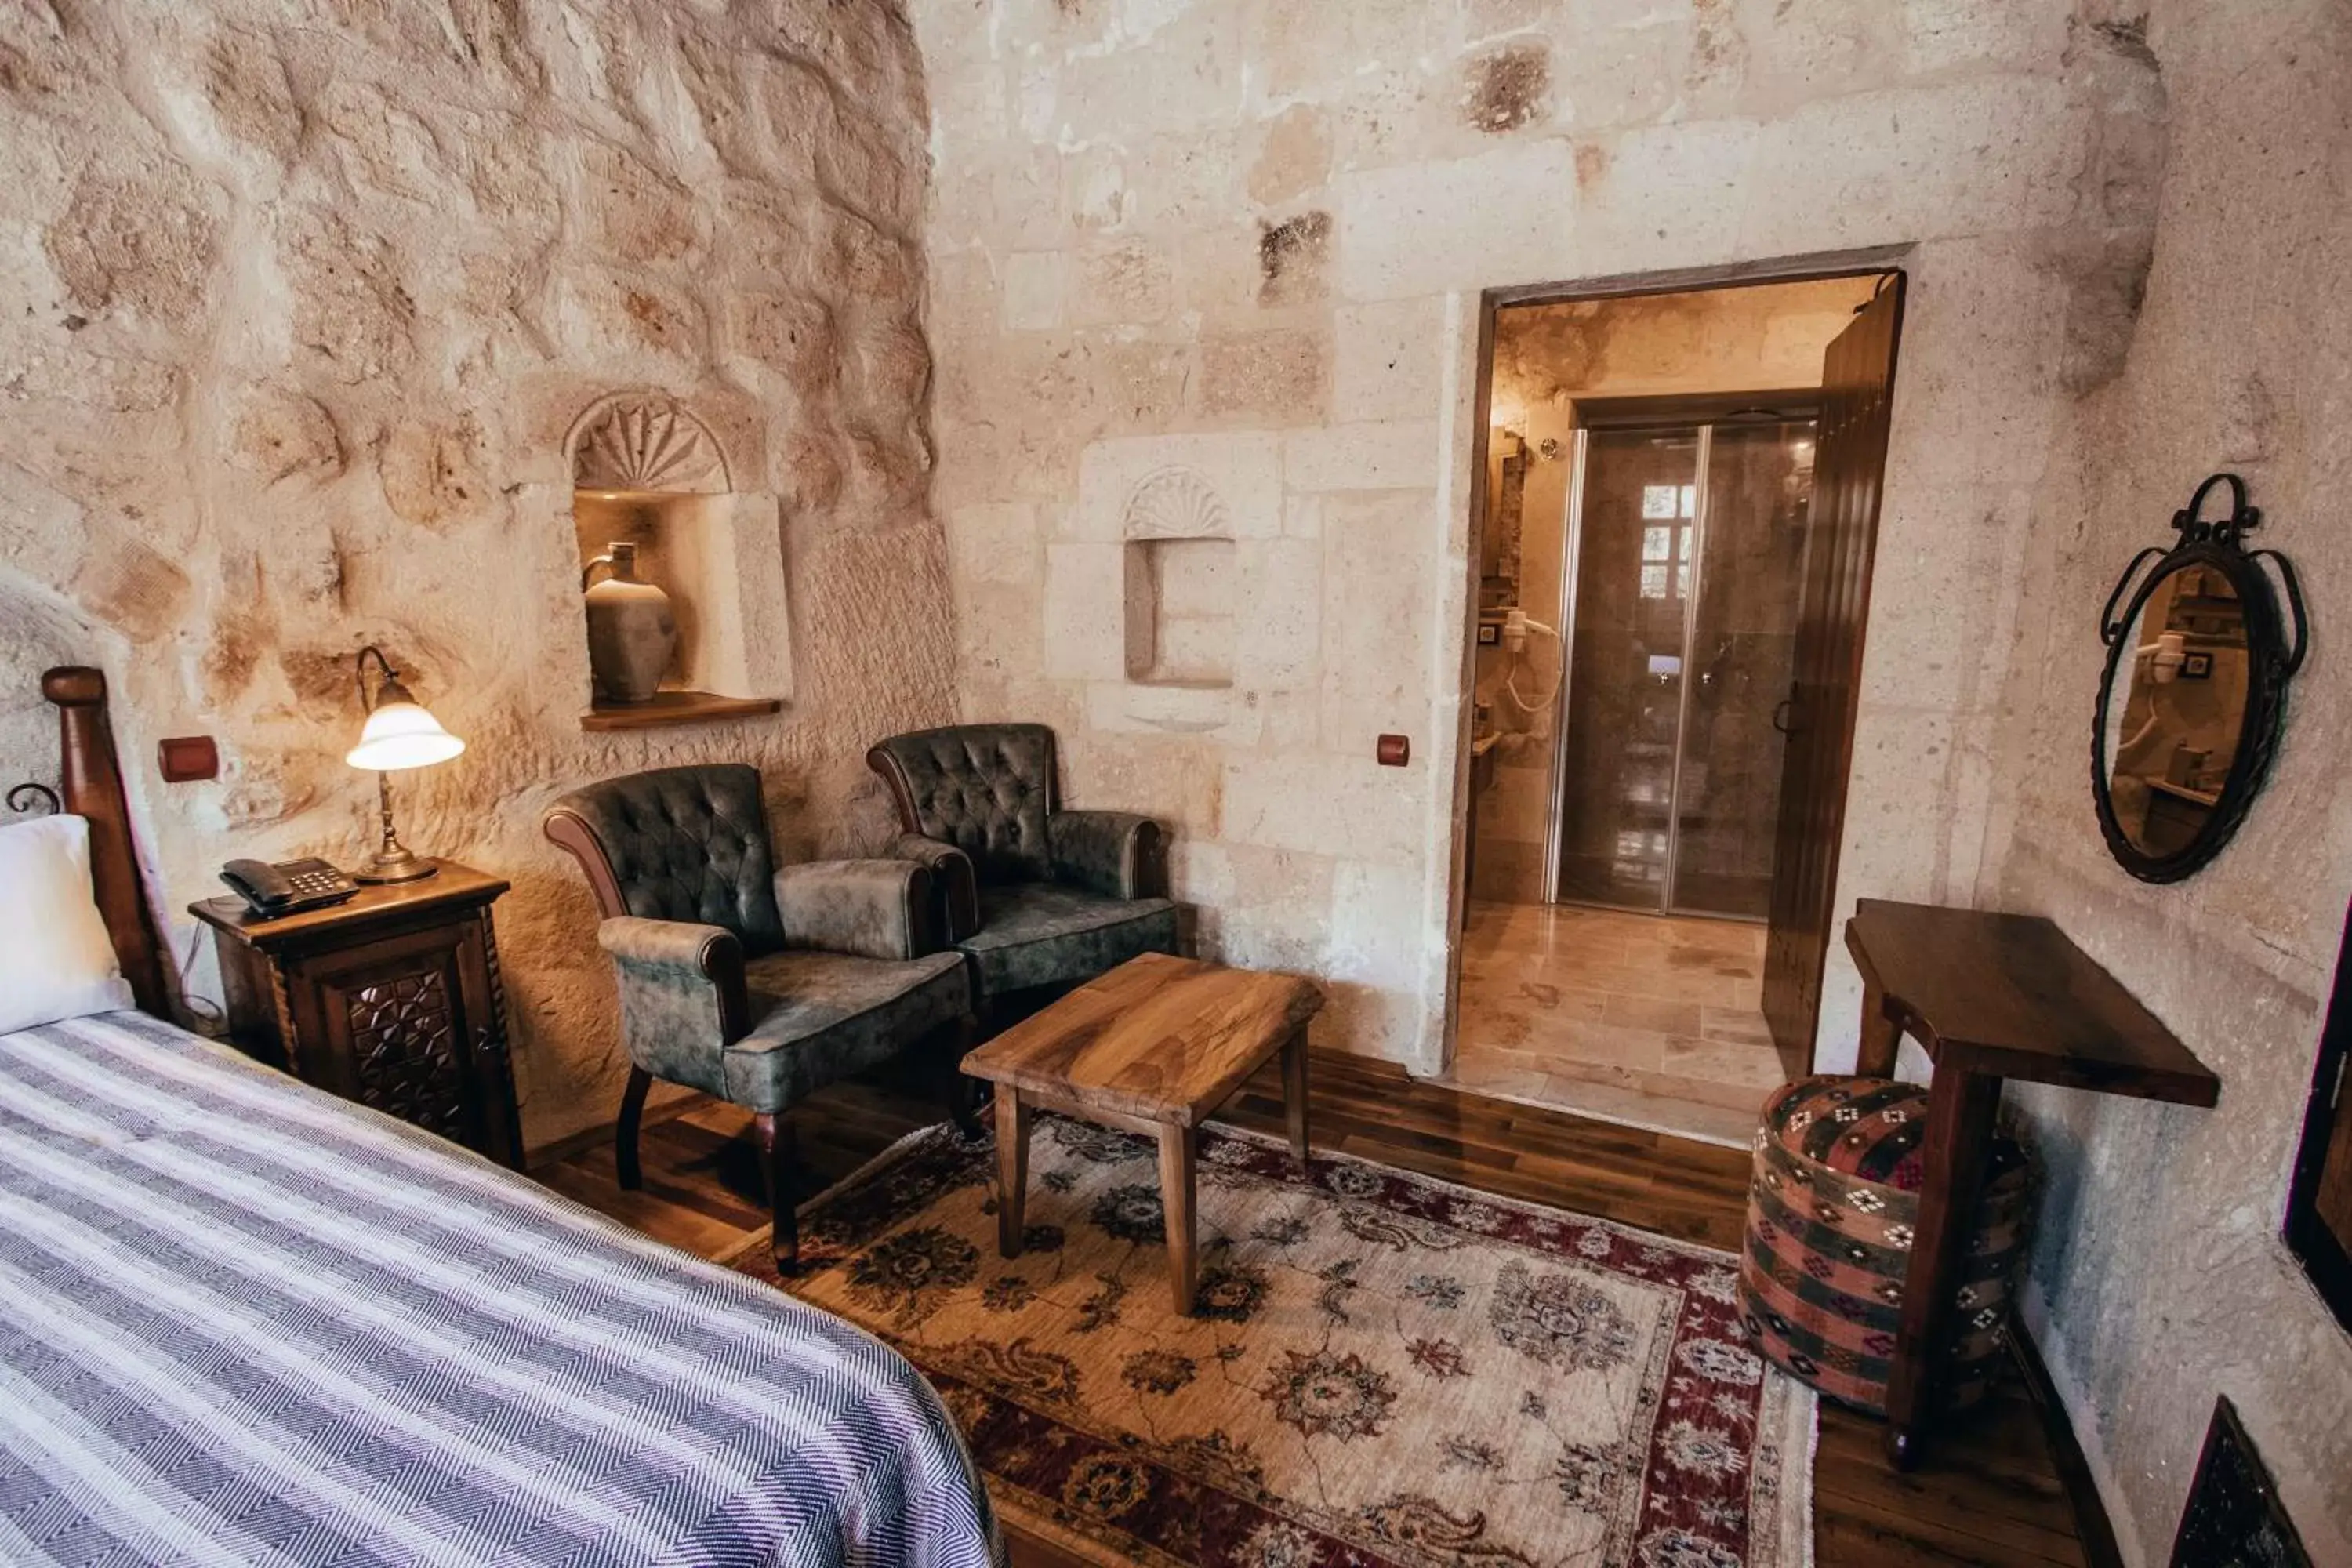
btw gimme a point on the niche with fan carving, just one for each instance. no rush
(1182, 581)
(651, 488)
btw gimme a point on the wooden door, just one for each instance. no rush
(1849, 463)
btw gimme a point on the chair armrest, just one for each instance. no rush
(871, 909)
(682, 991)
(1114, 853)
(954, 884)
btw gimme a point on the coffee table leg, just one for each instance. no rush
(1012, 1167)
(1294, 1092)
(1176, 1144)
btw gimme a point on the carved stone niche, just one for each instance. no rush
(1183, 583)
(645, 470)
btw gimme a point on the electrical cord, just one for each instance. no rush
(208, 1019)
(1519, 658)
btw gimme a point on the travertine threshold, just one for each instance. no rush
(1646, 1020)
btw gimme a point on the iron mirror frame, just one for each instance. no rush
(2270, 664)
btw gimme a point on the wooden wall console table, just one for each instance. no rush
(1990, 997)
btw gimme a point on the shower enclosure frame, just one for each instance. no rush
(1701, 412)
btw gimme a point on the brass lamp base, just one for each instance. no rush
(401, 865)
(394, 862)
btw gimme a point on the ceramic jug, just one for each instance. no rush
(631, 632)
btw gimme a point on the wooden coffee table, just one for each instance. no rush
(1153, 1046)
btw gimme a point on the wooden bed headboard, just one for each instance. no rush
(92, 780)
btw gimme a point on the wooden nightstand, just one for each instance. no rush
(392, 999)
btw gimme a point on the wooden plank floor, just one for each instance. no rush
(1994, 1493)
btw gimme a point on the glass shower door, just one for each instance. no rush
(1631, 560)
(1742, 653)
(1685, 564)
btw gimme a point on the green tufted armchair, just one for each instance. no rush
(754, 984)
(1032, 894)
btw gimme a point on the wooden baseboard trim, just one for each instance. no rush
(2096, 1536)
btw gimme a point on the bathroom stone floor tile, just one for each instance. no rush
(1647, 1019)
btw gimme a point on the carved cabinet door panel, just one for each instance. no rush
(411, 1024)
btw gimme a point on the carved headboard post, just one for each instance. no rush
(92, 779)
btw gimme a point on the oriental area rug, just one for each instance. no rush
(1383, 1369)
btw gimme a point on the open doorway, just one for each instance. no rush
(1674, 530)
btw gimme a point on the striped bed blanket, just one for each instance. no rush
(242, 1321)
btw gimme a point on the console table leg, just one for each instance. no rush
(1960, 1108)
(1012, 1167)
(1880, 1038)
(1176, 1146)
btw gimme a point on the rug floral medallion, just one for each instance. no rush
(1382, 1369)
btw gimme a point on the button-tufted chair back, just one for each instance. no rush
(987, 789)
(677, 844)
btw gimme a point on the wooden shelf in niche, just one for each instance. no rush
(668, 708)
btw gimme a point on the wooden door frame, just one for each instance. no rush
(1813, 268)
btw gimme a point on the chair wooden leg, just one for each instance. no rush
(625, 1131)
(776, 1160)
(963, 1090)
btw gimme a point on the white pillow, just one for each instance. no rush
(56, 959)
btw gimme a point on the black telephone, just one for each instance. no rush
(287, 888)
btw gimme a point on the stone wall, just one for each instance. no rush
(298, 301)
(1245, 242)
(2159, 1279)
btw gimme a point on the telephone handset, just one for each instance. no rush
(287, 888)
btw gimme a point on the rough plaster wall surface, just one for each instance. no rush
(1183, 231)
(297, 303)
(2159, 1279)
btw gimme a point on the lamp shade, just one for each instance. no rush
(402, 734)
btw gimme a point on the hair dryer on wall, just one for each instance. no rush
(1516, 625)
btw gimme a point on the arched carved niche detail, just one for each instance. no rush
(1183, 584)
(644, 441)
(1176, 503)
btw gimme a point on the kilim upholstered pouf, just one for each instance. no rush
(1831, 1207)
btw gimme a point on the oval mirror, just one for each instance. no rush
(2195, 689)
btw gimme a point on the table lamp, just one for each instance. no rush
(399, 734)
